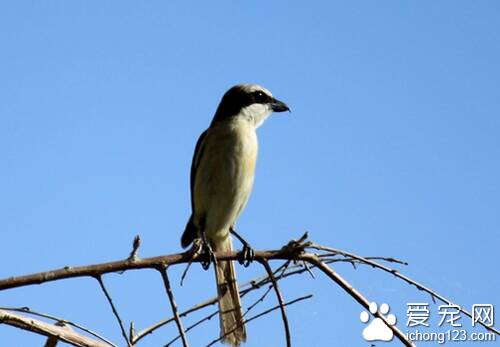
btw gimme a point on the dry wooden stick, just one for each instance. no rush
(57, 319)
(280, 301)
(170, 295)
(49, 330)
(132, 264)
(125, 265)
(113, 308)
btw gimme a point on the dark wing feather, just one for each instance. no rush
(191, 231)
(198, 151)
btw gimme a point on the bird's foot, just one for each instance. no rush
(207, 256)
(248, 254)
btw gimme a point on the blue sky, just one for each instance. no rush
(392, 149)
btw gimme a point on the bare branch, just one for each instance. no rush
(244, 289)
(113, 308)
(280, 301)
(286, 253)
(170, 294)
(260, 315)
(355, 294)
(194, 325)
(252, 285)
(149, 330)
(49, 330)
(434, 295)
(124, 265)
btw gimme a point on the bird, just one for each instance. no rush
(222, 177)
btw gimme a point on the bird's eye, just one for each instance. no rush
(260, 97)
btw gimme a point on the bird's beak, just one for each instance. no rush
(279, 106)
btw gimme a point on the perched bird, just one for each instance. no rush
(222, 175)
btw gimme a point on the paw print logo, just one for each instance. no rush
(377, 330)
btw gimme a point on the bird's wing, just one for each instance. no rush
(198, 152)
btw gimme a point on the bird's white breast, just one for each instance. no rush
(225, 174)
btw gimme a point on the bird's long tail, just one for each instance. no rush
(231, 317)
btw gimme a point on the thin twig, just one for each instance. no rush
(149, 330)
(131, 332)
(192, 326)
(170, 295)
(282, 270)
(135, 248)
(113, 308)
(185, 272)
(389, 260)
(260, 315)
(280, 301)
(259, 300)
(196, 249)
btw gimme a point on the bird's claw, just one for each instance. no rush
(207, 256)
(248, 255)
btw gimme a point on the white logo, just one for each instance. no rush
(449, 314)
(483, 313)
(377, 330)
(417, 313)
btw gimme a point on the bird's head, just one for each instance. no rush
(249, 101)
